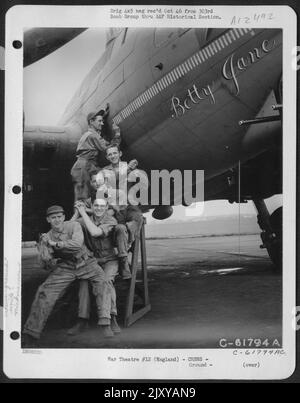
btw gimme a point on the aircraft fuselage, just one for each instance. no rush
(178, 97)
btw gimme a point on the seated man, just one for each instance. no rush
(129, 217)
(70, 260)
(98, 235)
(117, 171)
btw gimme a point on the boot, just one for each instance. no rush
(114, 325)
(106, 331)
(78, 328)
(124, 268)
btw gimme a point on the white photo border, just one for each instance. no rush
(93, 363)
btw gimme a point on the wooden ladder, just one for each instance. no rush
(132, 315)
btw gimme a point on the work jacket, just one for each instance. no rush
(91, 144)
(101, 246)
(72, 252)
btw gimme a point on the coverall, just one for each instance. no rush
(103, 250)
(72, 261)
(129, 223)
(90, 146)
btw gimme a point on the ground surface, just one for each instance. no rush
(201, 290)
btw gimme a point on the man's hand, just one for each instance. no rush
(133, 165)
(116, 130)
(44, 238)
(50, 265)
(106, 110)
(51, 243)
(80, 206)
(102, 189)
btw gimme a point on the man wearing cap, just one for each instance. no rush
(69, 260)
(90, 146)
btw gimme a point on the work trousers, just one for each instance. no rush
(80, 173)
(110, 270)
(54, 288)
(125, 235)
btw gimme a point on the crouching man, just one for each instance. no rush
(98, 234)
(129, 217)
(70, 260)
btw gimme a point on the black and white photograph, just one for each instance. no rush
(155, 190)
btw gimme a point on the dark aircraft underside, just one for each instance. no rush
(258, 178)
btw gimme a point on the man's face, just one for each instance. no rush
(99, 207)
(113, 155)
(94, 183)
(97, 123)
(97, 180)
(56, 220)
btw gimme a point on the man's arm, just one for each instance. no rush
(75, 243)
(98, 142)
(88, 206)
(132, 165)
(116, 140)
(109, 223)
(91, 227)
(94, 230)
(44, 249)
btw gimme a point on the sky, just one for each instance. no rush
(50, 83)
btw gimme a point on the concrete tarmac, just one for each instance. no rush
(202, 290)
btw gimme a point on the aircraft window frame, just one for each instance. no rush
(122, 54)
(99, 65)
(90, 90)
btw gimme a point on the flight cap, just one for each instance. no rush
(92, 115)
(54, 210)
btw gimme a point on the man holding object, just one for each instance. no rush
(70, 260)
